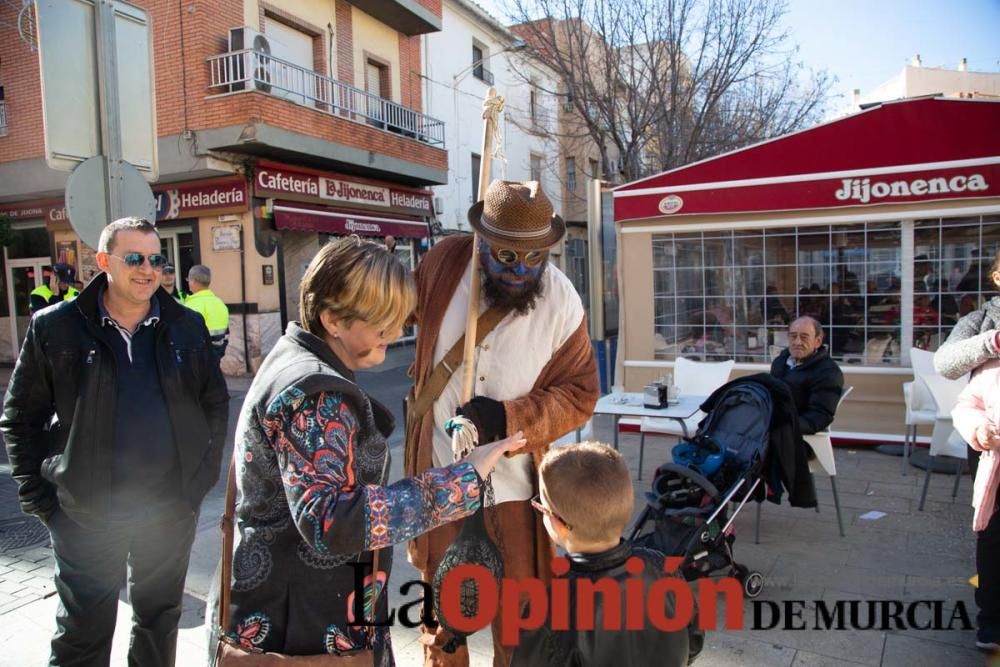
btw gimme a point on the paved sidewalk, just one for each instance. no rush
(905, 555)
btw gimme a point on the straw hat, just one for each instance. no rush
(518, 216)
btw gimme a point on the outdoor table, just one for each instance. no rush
(630, 404)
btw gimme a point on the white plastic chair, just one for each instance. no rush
(919, 406)
(822, 447)
(692, 378)
(944, 439)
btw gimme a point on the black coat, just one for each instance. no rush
(66, 370)
(815, 385)
(592, 648)
(786, 463)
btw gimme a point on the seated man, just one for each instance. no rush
(814, 378)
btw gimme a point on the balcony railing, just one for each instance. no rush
(3, 118)
(483, 74)
(254, 70)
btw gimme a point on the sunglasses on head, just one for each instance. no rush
(509, 257)
(134, 260)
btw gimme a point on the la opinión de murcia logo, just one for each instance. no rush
(863, 190)
(635, 605)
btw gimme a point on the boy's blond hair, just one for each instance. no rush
(589, 486)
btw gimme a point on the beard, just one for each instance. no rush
(521, 301)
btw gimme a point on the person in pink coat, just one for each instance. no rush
(977, 418)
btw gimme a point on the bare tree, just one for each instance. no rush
(663, 83)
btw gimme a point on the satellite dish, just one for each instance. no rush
(86, 198)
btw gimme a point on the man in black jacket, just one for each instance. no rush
(814, 378)
(114, 421)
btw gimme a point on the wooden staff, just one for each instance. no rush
(492, 106)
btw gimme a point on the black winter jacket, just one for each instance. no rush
(545, 647)
(59, 410)
(815, 386)
(785, 464)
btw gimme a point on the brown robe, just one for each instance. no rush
(561, 400)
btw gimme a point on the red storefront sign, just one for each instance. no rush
(213, 197)
(50, 210)
(844, 190)
(326, 188)
(901, 152)
(289, 215)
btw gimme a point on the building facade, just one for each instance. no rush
(280, 124)
(471, 53)
(882, 225)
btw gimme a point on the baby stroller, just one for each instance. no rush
(688, 509)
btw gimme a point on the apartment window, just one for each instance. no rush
(595, 170)
(536, 167)
(479, 55)
(571, 174)
(376, 83)
(477, 163)
(533, 105)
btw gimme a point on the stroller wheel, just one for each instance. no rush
(753, 583)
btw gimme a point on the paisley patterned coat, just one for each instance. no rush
(312, 461)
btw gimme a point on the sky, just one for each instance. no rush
(864, 43)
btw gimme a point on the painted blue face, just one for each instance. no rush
(515, 277)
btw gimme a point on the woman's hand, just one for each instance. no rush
(988, 436)
(484, 457)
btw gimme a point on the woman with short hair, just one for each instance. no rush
(312, 462)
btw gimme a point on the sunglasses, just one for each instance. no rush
(509, 257)
(536, 502)
(134, 260)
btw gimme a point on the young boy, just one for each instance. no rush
(586, 497)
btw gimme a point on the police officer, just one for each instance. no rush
(169, 283)
(211, 307)
(60, 288)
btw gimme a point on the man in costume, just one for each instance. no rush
(535, 372)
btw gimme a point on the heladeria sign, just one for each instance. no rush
(283, 183)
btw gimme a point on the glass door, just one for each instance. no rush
(23, 276)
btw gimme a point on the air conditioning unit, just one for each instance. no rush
(259, 61)
(438, 205)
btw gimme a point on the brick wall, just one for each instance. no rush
(19, 75)
(185, 33)
(345, 43)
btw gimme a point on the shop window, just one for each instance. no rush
(29, 242)
(731, 295)
(953, 262)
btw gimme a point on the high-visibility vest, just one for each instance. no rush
(216, 316)
(46, 293)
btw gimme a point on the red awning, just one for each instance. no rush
(899, 152)
(288, 215)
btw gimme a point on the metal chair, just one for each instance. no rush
(945, 441)
(692, 378)
(822, 447)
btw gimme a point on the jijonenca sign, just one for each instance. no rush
(863, 190)
(330, 189)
